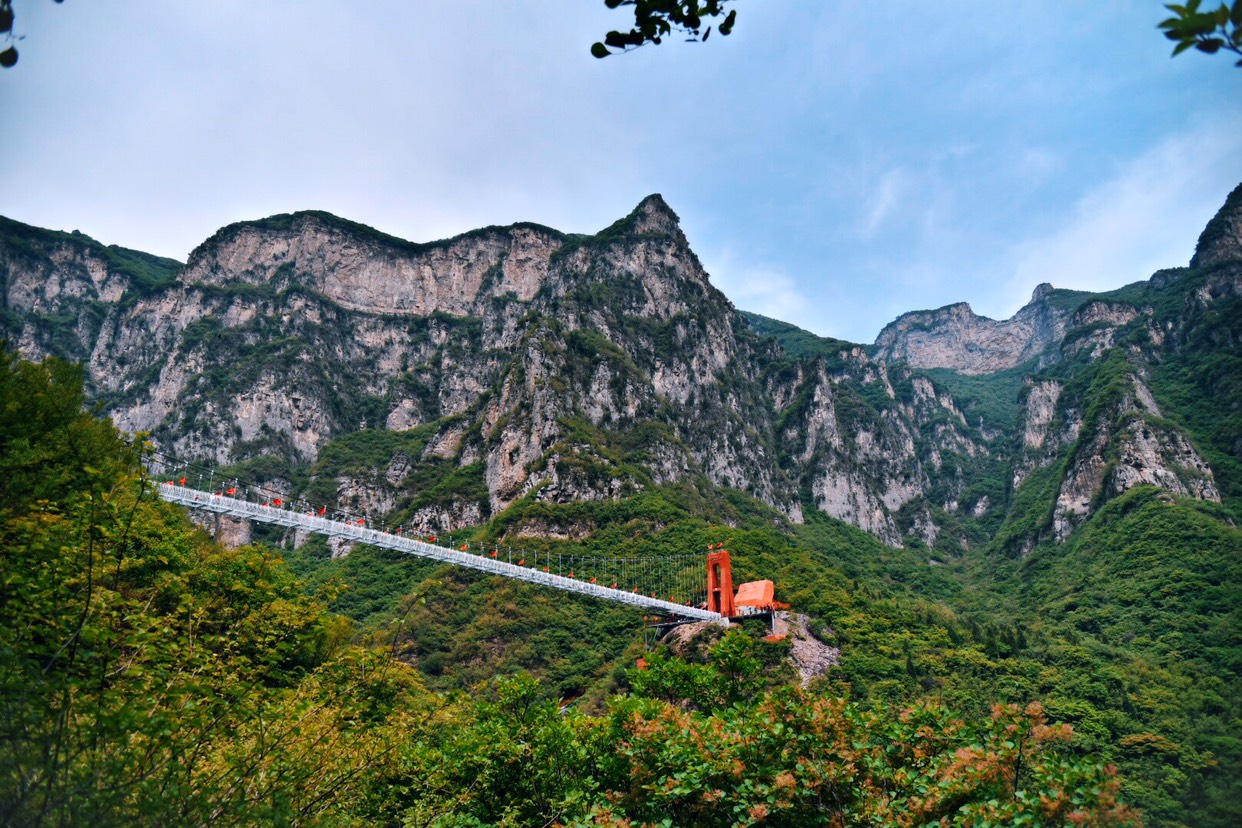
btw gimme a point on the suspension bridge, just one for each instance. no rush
(697, 589)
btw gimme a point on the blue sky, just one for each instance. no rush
(834, 164)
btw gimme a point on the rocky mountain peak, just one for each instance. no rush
(1221, 240)
(363, 269)
(955, 337)
(652, 217)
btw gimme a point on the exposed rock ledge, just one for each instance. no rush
(955, 337)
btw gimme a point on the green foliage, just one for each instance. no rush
(147, 676)
(1208, 31)
(41, 426)
(655, 20)
(785, 757)
(994, 399)
(794, 340)
(1152, 583)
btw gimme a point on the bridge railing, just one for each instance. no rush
(235, 507)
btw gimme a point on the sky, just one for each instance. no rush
(834, 163)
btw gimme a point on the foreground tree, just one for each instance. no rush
(1208, 31)
(654, 20)
(148, 676)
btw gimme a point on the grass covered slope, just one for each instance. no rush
(1150, 593)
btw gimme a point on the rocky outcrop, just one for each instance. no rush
(812, 657)
(525, 363)
(1094, 327)
(1047, 428)
(1221, 241)
(361, 270)
(867, 455)
(955, 337)
(1129, 444)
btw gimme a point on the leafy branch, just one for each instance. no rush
(1207, 31)
(655, 20)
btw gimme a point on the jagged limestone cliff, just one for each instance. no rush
(521, 362)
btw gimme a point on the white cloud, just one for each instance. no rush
(1147, 216)
(760, 289)
(885, 199)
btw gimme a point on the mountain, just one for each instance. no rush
(1065, 483)
(567, 368)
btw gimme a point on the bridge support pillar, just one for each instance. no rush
(720, 584)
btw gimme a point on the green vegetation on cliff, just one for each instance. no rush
(148, 676)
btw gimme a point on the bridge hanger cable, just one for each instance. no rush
(674, 579)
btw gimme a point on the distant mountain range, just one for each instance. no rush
(1066, 484)
(565, 367)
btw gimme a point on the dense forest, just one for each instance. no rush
(1028, 575)
(149, 676)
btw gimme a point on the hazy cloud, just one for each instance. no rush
(1147, 216)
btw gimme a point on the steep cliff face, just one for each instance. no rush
(1128, 443)
(1221, 241)
(537, 357)
(446, 382)
(58, 289)
(875, 449)
(954, 337)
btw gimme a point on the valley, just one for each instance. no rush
(975, 512)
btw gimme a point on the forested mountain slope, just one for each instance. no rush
(1048, 504)
(573, 368)
(149, 676)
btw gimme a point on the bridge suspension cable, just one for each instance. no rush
(648, 582)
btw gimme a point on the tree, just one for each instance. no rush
(8, 58)
(655, 20)
(1207, 31)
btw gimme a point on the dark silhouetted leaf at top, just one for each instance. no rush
(599, 50)
(727, 25)
(6, 19)
(8, 57)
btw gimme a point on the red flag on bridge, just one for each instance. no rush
(277, 502)
(183, 481)
(231, 490)
(324, 510)
(521, 562)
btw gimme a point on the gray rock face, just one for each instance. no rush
(528, 363)
(955, 337)
(1148, 451)
(1221, 240)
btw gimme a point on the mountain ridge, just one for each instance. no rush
(535, 355)
(1069, 522)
